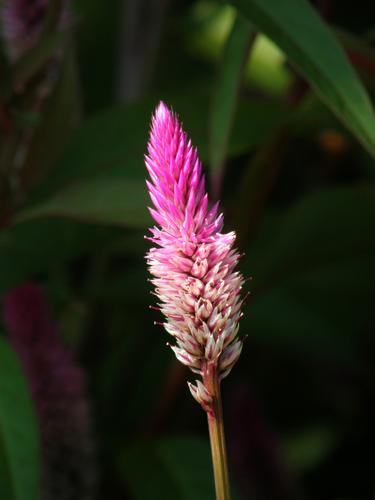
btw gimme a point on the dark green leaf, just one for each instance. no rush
(19, 447)
(296, 28)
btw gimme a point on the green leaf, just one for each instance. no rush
(175, 468)
(297, 29)
(19, 446)
(225, 97)
(113, 201)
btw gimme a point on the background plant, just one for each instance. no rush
(276, 95)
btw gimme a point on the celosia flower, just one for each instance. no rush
(58, 389)
(193, 263)
(22, 24)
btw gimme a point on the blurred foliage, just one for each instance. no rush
(277, 98)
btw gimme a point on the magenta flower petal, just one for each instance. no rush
(192, 263)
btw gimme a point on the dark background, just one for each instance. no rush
(299, 190)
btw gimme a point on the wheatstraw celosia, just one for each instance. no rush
(193, 263)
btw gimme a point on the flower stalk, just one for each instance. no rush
(217, 438)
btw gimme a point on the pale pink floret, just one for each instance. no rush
(193, 262)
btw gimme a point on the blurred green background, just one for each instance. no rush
(275, 97)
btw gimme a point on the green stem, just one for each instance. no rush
(217, 439)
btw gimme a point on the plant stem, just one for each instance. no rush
(217, 439)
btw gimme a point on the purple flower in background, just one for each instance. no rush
(22, 24)
(58, 389)
(193, 263)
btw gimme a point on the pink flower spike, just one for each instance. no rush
(193, 263)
